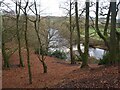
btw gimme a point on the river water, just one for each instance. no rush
(93, 52)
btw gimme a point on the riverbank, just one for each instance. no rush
(93, 43)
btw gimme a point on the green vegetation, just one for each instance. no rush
(59, 54)
(118, 29)
(105, 59)
(41, 51)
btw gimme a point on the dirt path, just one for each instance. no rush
(18, 77)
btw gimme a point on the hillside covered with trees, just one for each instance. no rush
(80, 49)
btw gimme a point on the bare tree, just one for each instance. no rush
(24, 9)
(41, 49)
(71, 34)
(113, 39)
(4, 54)
(17, 31)
(71, 27)
(85, 56)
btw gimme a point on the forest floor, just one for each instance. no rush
(61, 74)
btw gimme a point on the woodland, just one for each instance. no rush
(59, 51)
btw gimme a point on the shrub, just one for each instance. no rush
(105, 59)
(59, 54)
(77, 58)
(49, 54)
(42, 51)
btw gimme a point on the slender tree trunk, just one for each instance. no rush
(18, 35)
(27, 48)
(37, 22)
(113, 39)
(43, 63)
(44, 67)
(78, 29)
(107, 22)
(85, 57)
(4, 55)
(42, 53)
(97, 27)
(71, 48)
(118, 45)
(1, 28)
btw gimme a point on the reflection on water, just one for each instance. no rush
(61, 42)
(96, 52)
(93, 52)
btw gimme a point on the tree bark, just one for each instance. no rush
(4, 54)
(71, 34)
(28, 54)
(26, 43)
(18, 35)
(78, 29)
(36, 24)
(107, 22)
(85, 56)
(118, 44)
(97, 27)
(40, 47)
(113, 38)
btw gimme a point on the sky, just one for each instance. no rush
(48, 7)
(52, 7)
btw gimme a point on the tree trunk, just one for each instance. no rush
(40, 47)
(44, 65)
(78, 29)
(18, 35)
(1, 39)
(4, 55)
(118, 45)
(97, 27)
(27, 48)
(36, 24)
(71, 48)
(85, 57)
(113, 38)
(107, 22)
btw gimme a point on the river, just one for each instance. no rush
(93, 52)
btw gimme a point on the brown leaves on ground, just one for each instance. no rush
(17, 77)
(102, 77)
(61, 74)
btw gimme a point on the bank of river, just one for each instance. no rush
(93, 52)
